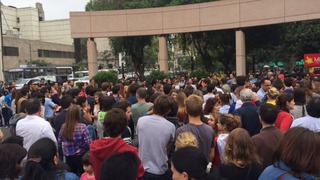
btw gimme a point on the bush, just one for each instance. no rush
(105, 76)
(199, 74)
(156, 75)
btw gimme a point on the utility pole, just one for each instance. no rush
(1, 46)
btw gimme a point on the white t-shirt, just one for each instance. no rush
(311, 123)
(33, 128)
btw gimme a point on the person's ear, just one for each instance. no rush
(185, 175)
(56, 160)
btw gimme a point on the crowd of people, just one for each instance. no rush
(179, 128)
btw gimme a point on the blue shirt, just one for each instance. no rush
(280, 170)
(8, 99)
(48, 108)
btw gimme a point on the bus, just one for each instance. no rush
(62, 73)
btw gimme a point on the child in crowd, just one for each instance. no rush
(87, 167)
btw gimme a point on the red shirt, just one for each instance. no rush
(284, 121)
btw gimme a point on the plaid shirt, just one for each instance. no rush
(80, 142)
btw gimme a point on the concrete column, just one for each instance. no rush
(92, 57)
(240, 53)
(163, 54)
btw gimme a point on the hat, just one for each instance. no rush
(281, 76)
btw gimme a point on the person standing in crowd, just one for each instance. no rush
(189, 163)
(23, 96)
(85, 113)
(75, 139)
(297, 157)
(203, 132)
(299, 109)
(42, 162)
(212, 108)
(265, 86)
(106, 103)
(141, 107)
(284, 120)
(156, 137)
(115, 124)
(49, 106)
(87, 167)
(225, 103)
(210, 94)
(132, 90)
(240, 159)
(312, 120)
(272, 96)
(248, 113)
(269, 137)
(33, 127)
(182, 114)
(127, 135)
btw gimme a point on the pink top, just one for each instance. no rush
(86, 176)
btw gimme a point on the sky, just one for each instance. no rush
(53, 9)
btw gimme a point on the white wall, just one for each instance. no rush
(56, 31)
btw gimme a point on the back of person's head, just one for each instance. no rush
(188, 90)
(122, 105)
(313, 107)
(141, 93)
(155, 96)
(40, 163)
(162, 105)
(23, 106)
(283, 101)
(33, 106)
(115, 122)
(241, 80)
(132, 89)
(246, 95)
(120, 166)
(106, 86)
(66, 101)
(240, 148)
(91, 90)
(11, 156)
(72, 118)
(81, 100)
(268, 113)
(115, 89)
(273, 93)
(24, 91)
(106, 103)
(86, 159)
(167, 88)
(186, 139)
(225, 98)
(14, 140)
(210, 104)
(194, 105)
(278, 84)
(299, 96)
(210, 87)
(230, 121)
(189, 163)
(299, 149)
(181, 98)
(288, 81)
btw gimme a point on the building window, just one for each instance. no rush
(55, 54)
(18, 20)
(10, 51)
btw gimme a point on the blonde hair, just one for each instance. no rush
(186, 139)
(194, 105)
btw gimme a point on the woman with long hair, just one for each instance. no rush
(42, 163)
(300, 103)
(182, 114)
(284, 120)
(75, 139)
(212, 111)
(297, 157)
(240, 158)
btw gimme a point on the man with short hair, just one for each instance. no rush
(33, 127)
(210, 94)
(268, 139)
(141, 107)
(203, 132)
(312, 120)
(265, 86)
(249, 112)
(156, 135)
(115, 123)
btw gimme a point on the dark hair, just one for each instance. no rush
(188, 90)
(162, 105)
(210, 87)
(132, 89)
(115, 122)
(288, 81)
(278, 84)
(268, 113)
(105, 86)
(167, 88)
(66, 101)
(115, 89)
(106, 103)
(191, 161)
(142, 93)
(313, 107)
(120, 166)
(72, 118)
(86, 159)
(122, 105)
(24, 91)
(81, 100)
(282, 101)
(33, 106)
(264, 80)
(14, 140)
(299, 149)
(211, 102)
(40, 164)
(91, 90)
(225, 98)
(241, 80)
(74, 92)
(299, 96)
(155, 96)
(23, 106)
(11, 156)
